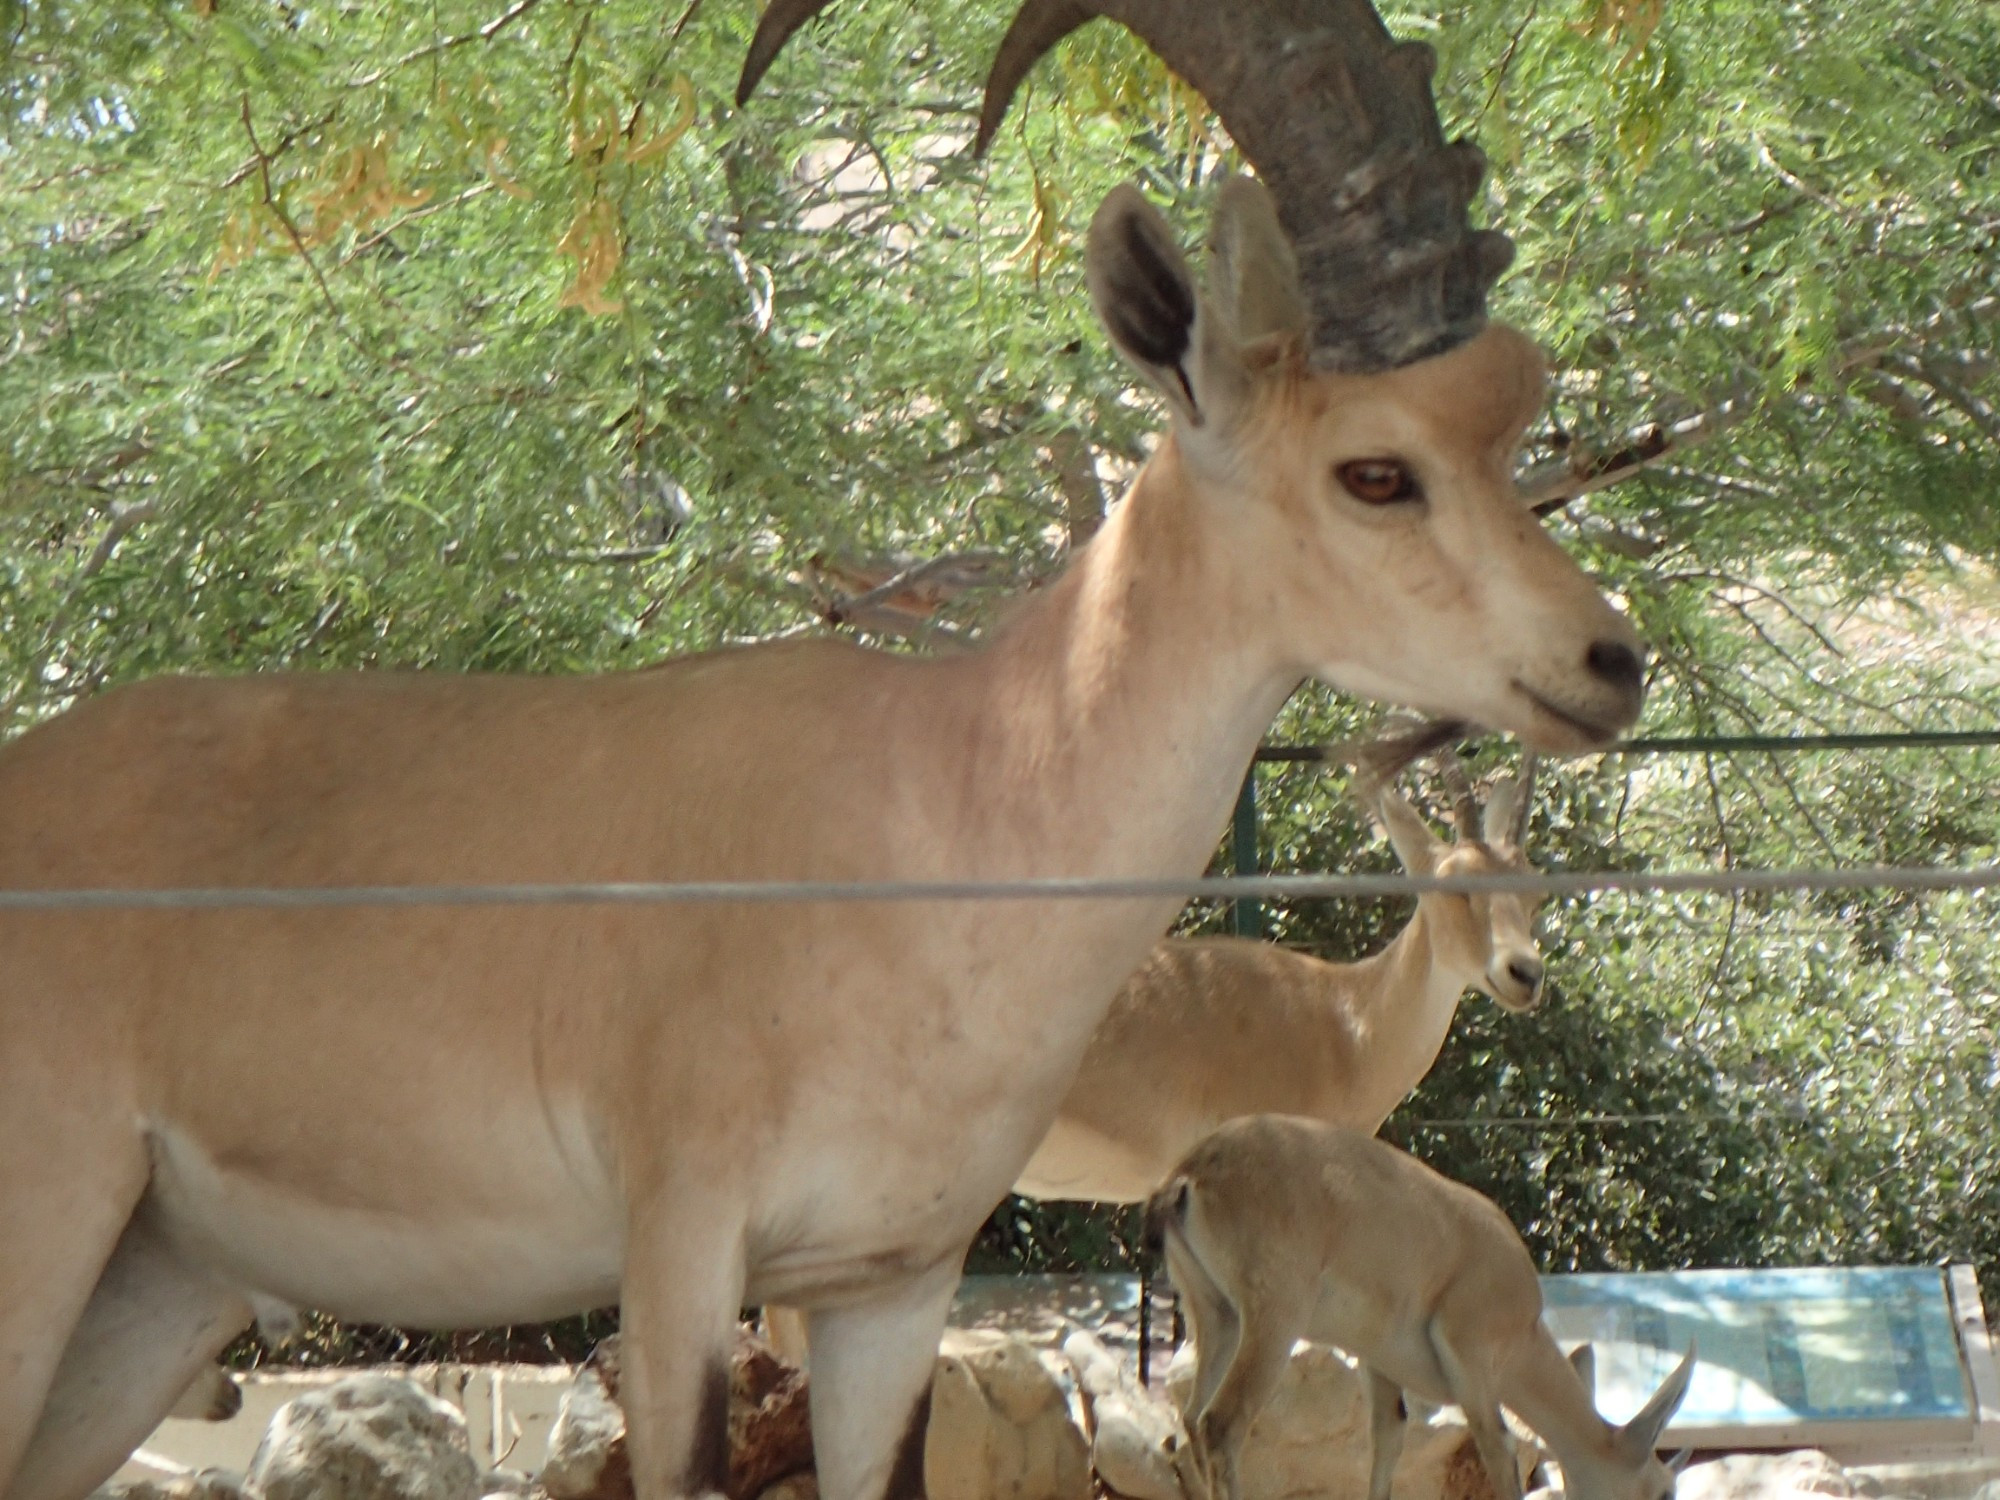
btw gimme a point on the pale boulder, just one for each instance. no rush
(204, 1484)
(1312, 1441)
(1134, 1434)
(368, 1437)
(586, 1458)
(1766, 1476)
(1000, 1425)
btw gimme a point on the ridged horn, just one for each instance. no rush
(1338, 119)
(1530, 764)
(1464, 800)
(774, 28)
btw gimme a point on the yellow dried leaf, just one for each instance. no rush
(593, 240)
(639, 153)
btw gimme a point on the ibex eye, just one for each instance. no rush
(1378, 481)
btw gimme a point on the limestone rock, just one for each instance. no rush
(368, 1437)
(205, 1484)
(1765, 1476)
(1000, 1424)
(586, 1458)
(1134, 1434)
(1312, 1441)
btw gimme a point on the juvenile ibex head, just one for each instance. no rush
(1489, 937)
(1344, 414)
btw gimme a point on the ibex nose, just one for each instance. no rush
(1617, 664)
(1526, 972)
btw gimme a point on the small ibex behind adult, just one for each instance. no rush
(1278, 1228)
(1212, 1028)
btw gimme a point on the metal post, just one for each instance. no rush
(1145, 1319)
(1246, 917)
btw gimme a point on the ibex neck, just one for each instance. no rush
(1123, 705)
(1544, 1391)
(1402, 1003)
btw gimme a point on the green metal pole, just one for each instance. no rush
(1246, 917)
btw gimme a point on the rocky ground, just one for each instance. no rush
(1011, 1419)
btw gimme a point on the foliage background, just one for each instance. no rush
(488, 334)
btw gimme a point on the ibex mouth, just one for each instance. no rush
(1594, 734)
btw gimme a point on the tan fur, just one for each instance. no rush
(1212, 1028)
(1278, 1228)
(462, 1116)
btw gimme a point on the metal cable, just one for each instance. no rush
(1226, 887)
(1563, 1122)
(1931, 739)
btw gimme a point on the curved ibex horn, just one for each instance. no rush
(1464, 801)
(1507, 810)
(1531, 762)
(1337, 117)
(780, 19)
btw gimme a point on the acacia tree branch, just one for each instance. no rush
(1580, 470)
(291, 229)
(957, 571)
(484, 33)
(121, 521)
(1075, 466)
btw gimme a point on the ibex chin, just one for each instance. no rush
(1278, 1228)
(485, 1115)
(1212, 1028)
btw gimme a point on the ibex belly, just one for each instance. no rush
(441, 1242)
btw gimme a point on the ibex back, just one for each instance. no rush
(455, 1116)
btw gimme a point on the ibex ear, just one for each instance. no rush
(1409, 835)
(1147, 302)
(1641, 1435)
(1583, 1360)
(1253, 275)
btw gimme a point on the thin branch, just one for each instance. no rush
(966, 563)
(413, 215)
(1501, 69)
(485, 33)
(270, 201)
(121, 521)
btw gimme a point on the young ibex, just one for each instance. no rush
(491, 1115)
(1212, 1028)
(1278, 1228)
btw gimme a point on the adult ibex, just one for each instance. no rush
(1212, 1028)
(463, 1115)
(1278, 1228)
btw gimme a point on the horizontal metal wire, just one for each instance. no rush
(1223, 887)
(1590, 1122)
(1696, 744)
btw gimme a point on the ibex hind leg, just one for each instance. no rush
(153, 1323)
(872, 1364)
(1476, 1396)
(1274, 1309)
(1387, 1416)
(68, 1184)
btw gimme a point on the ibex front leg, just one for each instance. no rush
(683, 1289)
(872, 1363)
